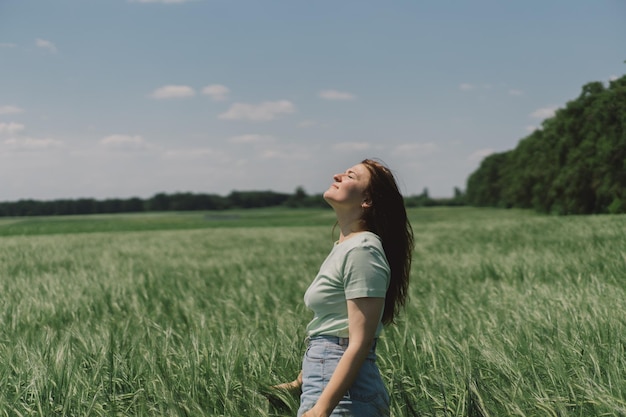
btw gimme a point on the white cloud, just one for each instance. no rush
(7, 45)
(128, 142)
(544, 112)
(613, 78)
(486, 86)
(352, 146)
(268, 110)
(42, 43)
(10, 110)
(11, 128)
(336, 95)
(251, 138)
(32, 144)
(479, 155)
(173, 91)
(415, 149)
(307, 123)
(294, 153)
(161, 1)
(274, 154)
(531, 128)
(190, 154)
(217, 92)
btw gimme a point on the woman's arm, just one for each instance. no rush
(363, 319)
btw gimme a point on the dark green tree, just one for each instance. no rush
(574, 164)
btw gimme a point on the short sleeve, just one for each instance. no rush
(366, 273)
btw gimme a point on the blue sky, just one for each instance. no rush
(120, 98)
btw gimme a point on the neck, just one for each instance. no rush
(349, 224)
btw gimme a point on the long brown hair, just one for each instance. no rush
(386, 217)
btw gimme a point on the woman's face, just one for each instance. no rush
(349, 187)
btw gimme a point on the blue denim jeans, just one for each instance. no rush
(367, 397)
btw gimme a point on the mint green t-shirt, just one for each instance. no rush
(355, 268)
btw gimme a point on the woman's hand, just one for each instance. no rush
(292, 386)
(313, 412)
(276, 393)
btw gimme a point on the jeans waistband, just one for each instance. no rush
(341, 341)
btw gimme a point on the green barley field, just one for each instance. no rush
(195, 314)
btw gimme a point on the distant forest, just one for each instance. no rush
(191, 201)
(574, 164)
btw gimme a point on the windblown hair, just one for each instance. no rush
(386, 217)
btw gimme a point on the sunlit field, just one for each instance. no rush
(196, 314)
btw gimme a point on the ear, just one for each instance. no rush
(366, 204)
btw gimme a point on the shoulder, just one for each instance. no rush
(366, 271)
(365, 240)
(363, 247)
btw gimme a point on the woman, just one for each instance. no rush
(360, 287)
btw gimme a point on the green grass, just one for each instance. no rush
(270, 217)
(511, 314)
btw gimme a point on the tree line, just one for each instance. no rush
(186, 201)
(574, 164)
(181, 201)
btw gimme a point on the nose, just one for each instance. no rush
(338, 177)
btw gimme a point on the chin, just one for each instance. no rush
(328, 198)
